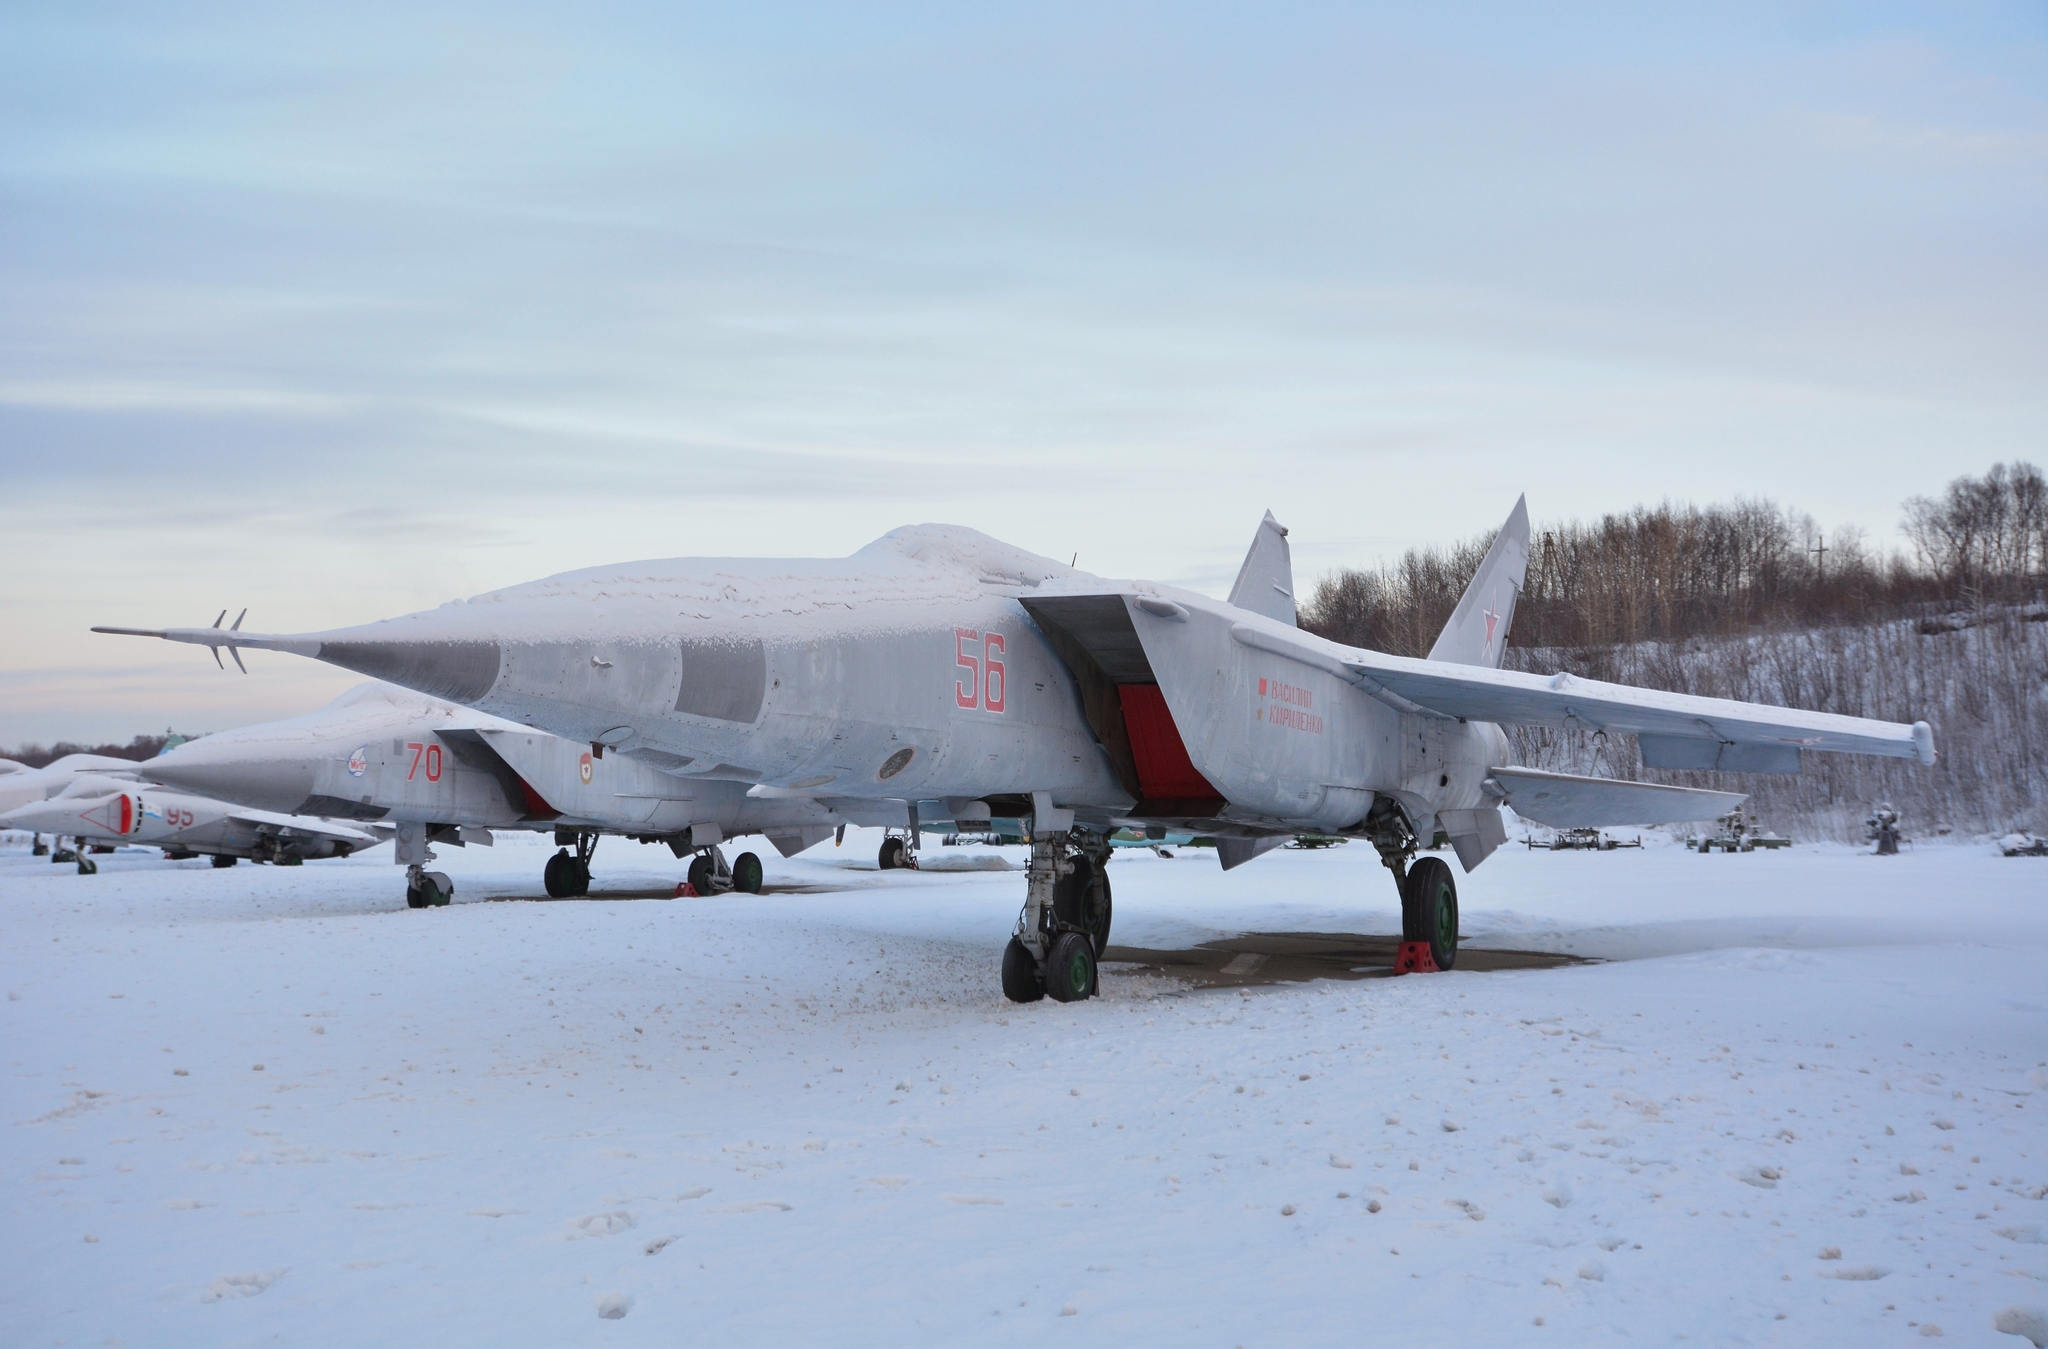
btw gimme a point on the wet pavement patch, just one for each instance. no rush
(1296, 957)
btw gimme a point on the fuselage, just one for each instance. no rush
(917, 670)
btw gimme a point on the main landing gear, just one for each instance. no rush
(709, 875)
(1429, 894)
(899, 853)
(567, 875)
(1064, 928)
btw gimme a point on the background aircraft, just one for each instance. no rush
(94, 809)
(437, 772)
(939, 663)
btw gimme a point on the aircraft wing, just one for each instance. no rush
(304, 826)
(1704, 727)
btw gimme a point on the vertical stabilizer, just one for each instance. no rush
(1478, 631)
(1265, 583)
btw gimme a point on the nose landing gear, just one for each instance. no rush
(424, 889)
(427, 889)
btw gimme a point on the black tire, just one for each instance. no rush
(1070, 967)
(891, 856)
(221, 860)
(559, 876)
(88, 867)
(702, 868)
(1082, 900)
(1021, 980)
(1429, 910)
(746, 874)
(416, 897)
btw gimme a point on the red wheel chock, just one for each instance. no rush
(1414, 958)
(688, 891)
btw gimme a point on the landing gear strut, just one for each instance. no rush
(1064, 927)
(567, 876)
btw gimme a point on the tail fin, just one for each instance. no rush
(1265, 583)
(1478, 631)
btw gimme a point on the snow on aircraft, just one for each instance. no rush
(938, 665)
(438, 772)
(125, 806)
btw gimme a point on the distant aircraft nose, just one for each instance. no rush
(265, 776)
(45, 817)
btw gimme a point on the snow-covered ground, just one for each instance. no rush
(1803, 1105)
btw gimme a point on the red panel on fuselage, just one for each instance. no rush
(1164, 770)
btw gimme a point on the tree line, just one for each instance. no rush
(1750, 601)
(140, 748)
(1673, 572)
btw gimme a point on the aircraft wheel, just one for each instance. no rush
(1070, 968)
(702, 869)
(1022, 981)
(746, 874)
(439, 888)
(222, 860)
(88, 867)
(1082, 900)
(559, 877)
(1429, 910)
(416, 896)
(891, 856)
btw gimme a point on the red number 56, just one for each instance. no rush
(986, 685)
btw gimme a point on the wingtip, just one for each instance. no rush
(1923, 742)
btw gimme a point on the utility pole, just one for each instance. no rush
(1820, 555)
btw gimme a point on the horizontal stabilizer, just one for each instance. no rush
(1566, 802)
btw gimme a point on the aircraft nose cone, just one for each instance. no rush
(263, 778)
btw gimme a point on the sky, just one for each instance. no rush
(340, 311)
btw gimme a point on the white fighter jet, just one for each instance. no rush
(438, 772)
(946, 671)
(99, 801)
